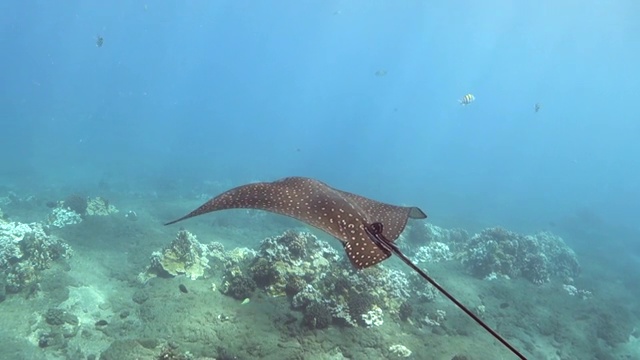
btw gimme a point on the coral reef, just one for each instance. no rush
(99, 206)
(55, 316)
(183, 256)
(436, 319)
(62, 216)
(288, 262)
(263, 272)
(387, 287)
(359, 305)
(25, 250)
(322, 284)
(424, 292)
(296, 243)
(295, 285)
(239, 287)
(309, 271)
(419, 234)
(574, 291)
(496, 251)
(305, 297)
(405, 311)
(373, 317)
(76, 203)
(317, 316)
(435, 251)
(399, 350)
(170, 352)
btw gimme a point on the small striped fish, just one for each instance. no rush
(467, 99)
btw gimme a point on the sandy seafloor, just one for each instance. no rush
(100, 282)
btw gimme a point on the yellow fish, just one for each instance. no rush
(467, 99)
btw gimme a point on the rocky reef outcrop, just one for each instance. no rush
(317, 280)
(537, 258)
(183, 256)
(75, 208)
(26, 250)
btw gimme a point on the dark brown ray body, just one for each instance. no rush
(341, 214)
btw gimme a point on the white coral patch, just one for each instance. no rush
(434, 252)
(61, 217)
(373, 317)
(400, 350)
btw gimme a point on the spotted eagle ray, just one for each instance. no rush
(366, 228)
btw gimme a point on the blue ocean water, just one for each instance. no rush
(361, 95)
(243, 91)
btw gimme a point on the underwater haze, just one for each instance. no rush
(256, 91)
(155, 107)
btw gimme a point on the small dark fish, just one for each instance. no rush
(183, 288)
(504, 305)
(381, 72)
(99, 41)
(102, 322)
(51, 204)
(537, 107)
